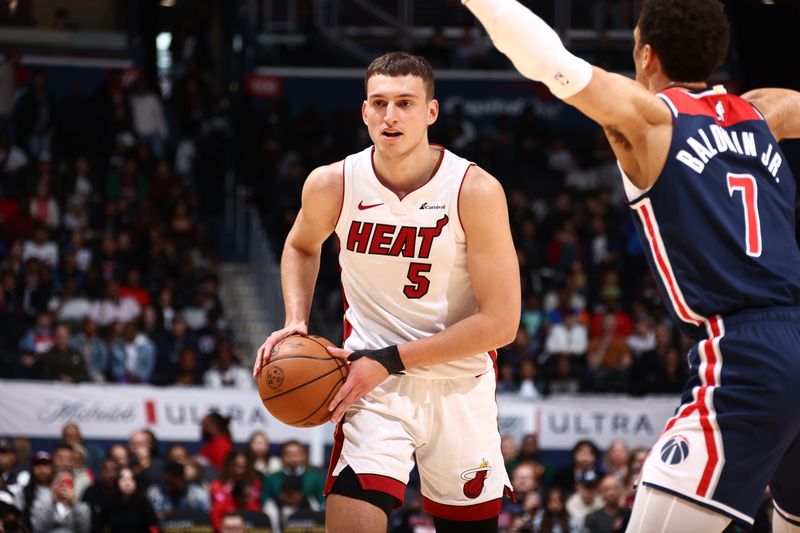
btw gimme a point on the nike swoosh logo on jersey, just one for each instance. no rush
(362, 207)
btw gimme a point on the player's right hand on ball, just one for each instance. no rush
(265, 352)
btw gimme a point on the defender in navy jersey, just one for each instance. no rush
(713, 199)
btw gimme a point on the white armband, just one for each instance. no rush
(532, 45)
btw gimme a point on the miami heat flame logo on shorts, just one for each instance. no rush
(475, 478)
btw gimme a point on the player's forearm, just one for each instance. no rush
(533, 47)
(475, 334)
(299, 270)
(779, 108)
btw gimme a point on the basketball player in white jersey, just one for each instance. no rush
(731, 437)
(431, 287)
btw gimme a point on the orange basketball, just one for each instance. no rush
(300, 380)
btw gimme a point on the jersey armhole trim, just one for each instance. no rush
(341, 204)
(632, 192)
(458, 199)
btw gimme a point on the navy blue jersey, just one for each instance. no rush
(719, 223)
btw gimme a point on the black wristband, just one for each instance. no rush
(388, 357)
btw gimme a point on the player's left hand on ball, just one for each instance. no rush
(363, 375)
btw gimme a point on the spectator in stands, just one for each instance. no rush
(8, 87)
(64, 511)
(584, 459)
(290, 502)
(226, 371)
(509, 448)
(295, 463)
(128, 509)
(637, 457)
(72, 305)
(170, 345)
(586, 498)
(114, 308)
(36, 490)
(175, 492)
(238, 487)
(506, 379)
(43, 207)
(232, 522)
(674, 374)
(36, 342)
(119, 453)
(98, 495)
(41, 247)
(217, 440)
(62, 362)
(610, 517)
(37, 287)
(258, 453)
(563, 378)
(128, 184)
(553, 516)
(9, 469)
(529, 451)
(616, 459)
(147, 112)
(94, 350)
(133, 356)
(146, 464)
(567, 338)
(34, 117)
(609, 358)
(530, 385)
(133, 288)
(13, 164)
(188, 372)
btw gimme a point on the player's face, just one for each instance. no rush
(397, 112)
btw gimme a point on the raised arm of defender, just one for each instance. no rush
(626, 109)
(781, 109)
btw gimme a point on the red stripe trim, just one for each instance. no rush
(430, 179)
(736, 108)
(464, 513)
(386, 484)
(686, 413)
(705, 423)
(684, 314)
(338, 441)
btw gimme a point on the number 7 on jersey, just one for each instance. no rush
(746, 184)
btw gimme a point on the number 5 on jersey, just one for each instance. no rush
(746, 184)
(419, 283)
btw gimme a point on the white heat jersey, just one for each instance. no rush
(404, 262)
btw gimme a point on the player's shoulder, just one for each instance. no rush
(479, 183)
(326, 178)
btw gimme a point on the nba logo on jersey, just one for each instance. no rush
(675, 450)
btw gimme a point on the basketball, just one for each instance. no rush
(300, 380)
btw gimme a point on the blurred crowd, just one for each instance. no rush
(139, 485)
(144, 485)
(108, 269)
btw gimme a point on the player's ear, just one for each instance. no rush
(433, 111)
(364, 111)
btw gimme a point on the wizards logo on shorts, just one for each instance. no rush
(675, 450)
(475, 479)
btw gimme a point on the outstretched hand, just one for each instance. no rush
(265, 351)
(363, 375)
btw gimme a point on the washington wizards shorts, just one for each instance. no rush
(737, 429)
(449, 425)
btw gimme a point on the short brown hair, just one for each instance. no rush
(690, 37)
(397, 64)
